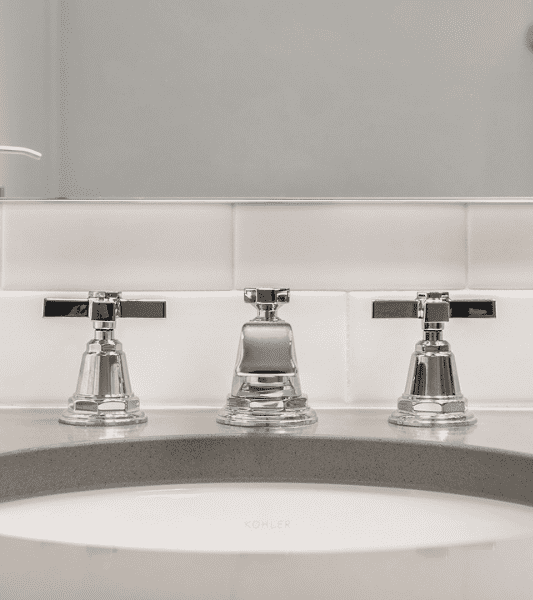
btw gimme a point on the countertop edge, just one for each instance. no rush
(202, 458)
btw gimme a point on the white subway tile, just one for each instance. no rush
(494, 355)
(186, 359)
(191, 357)
(319, 322)
(351, 247)
(111, 246)
(379, 351)
(500, 246)
(40, 356)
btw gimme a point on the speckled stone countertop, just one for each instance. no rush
(492, 459)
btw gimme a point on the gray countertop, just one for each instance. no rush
(492, 459)
(24, 428)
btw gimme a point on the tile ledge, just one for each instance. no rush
(291, 200)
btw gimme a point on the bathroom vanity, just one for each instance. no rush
(351, 501)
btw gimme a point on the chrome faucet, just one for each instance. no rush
(103, 396)
(432, 395)
(266, 389)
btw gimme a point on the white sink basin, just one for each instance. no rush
(257, 541)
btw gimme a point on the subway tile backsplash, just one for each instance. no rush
(335, 257)
(500, 246)
(351, 246)
(79, 246)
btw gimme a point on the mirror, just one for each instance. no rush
(285, 98)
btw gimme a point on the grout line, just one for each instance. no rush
(508, 292)
(202, 407)
(347, 353)
(504, 292)
(294, 200)
(3, 243)
(467, 247)
(233, 244)
(209, 408)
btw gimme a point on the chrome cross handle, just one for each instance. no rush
(432, 395)
(104, 396)
(434, 307)
(104, 307)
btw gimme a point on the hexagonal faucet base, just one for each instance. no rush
(258, 412)
(106, 412)
(431, 419)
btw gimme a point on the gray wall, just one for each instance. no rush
(296, 98)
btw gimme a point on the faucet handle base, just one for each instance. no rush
(432, 412)
(102, 411)
(261, 412)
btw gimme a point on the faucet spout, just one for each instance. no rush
(266, 387)
(19, 150)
